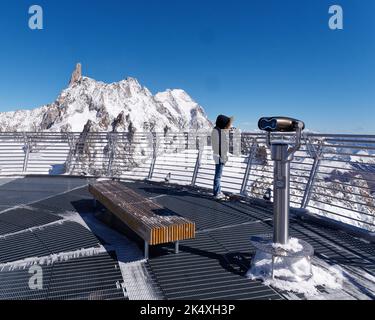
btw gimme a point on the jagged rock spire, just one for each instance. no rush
(77, 75)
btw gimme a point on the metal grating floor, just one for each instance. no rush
(74, 263)
(213, 265)
(66, 237)
(45, 221)
(22, 218)
(204, 270)
(21, 246)
(88, 278)
(25, 191)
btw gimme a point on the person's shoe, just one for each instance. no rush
(220, 196)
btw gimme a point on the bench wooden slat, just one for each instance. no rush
(139, 214)
(130, 220)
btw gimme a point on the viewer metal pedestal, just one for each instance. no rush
(282, 152)
(281, 191)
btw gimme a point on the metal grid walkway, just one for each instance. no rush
(34, 232)
(88, 278)
(211, 266)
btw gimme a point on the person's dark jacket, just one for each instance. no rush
(220, 139)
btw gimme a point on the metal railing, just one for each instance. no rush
(331, 175)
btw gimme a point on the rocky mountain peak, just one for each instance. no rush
(91, 105)
(76, 75)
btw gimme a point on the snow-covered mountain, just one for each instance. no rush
(91, 105)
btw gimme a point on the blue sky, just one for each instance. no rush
(246, 58)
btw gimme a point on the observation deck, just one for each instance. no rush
(47, 217)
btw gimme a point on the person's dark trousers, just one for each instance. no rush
(217, 179)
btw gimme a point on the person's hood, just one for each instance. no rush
(223, 121)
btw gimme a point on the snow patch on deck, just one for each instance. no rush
(73, 216)
(51, 259)
(138, 282)
(329, 282)
(330, 278)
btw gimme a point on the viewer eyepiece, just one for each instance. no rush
(280, 124)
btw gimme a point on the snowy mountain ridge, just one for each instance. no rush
(126, 105)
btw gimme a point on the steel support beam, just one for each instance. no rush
(112, 139)
(26, 149)
(317, 155)
(250, 159)
(196, 168)
(154, 153)
(68, 162)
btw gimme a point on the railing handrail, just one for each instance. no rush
(312, 134)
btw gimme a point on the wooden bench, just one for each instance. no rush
(150, 221)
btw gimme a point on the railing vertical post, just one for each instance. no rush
(70, 138)
(111, 152)
(153, 160)
(314, 169)
(248, 166)
(197, 164)
(26, 149)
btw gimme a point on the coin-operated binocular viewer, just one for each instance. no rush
(282, 152)
(289, 258)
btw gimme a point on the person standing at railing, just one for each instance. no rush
(220, 148)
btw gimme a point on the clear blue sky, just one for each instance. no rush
(244, 58)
